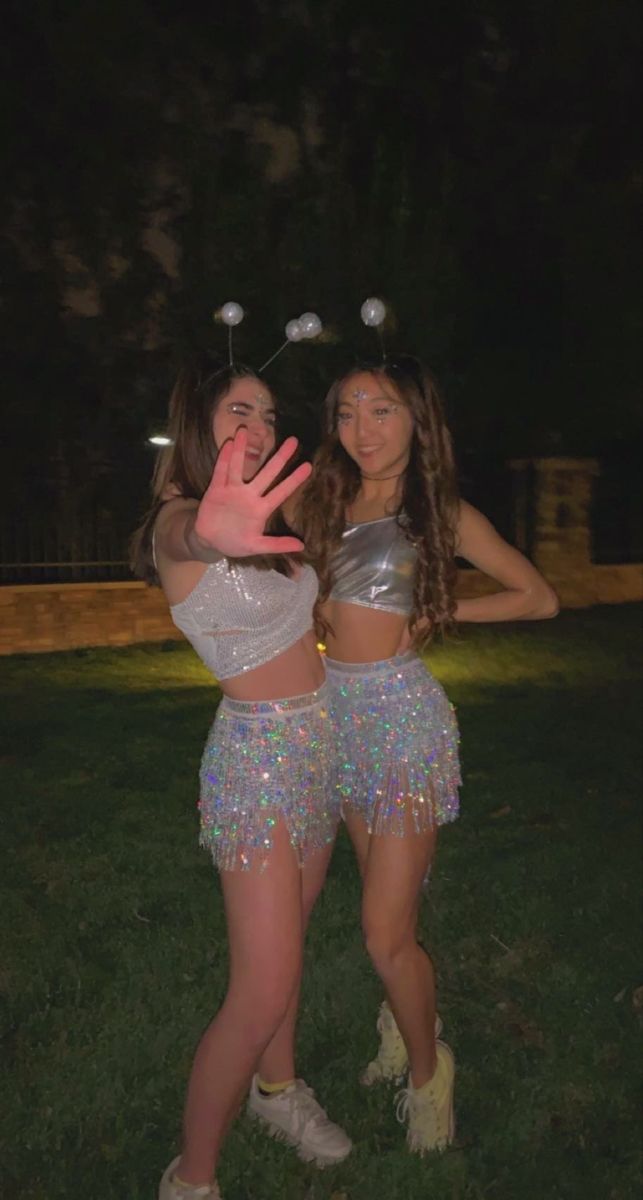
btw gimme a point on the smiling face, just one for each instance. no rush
(248, 403)
(374, 425)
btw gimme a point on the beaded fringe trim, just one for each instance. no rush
(397, 736)
(264, 762)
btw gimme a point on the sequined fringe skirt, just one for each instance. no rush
(264, 761)
(396, 744)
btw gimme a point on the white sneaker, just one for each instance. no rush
(391, 1061)
(429, 1110)
(171, 1190)
(296, 1117)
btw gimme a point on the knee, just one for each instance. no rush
(264, 1005)
(384, 942)
(273, 998)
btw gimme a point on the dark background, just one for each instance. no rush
(477, 166)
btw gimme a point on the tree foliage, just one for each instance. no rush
(477, 166)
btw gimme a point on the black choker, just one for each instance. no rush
(380, 478)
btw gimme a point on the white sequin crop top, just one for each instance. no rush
(375, 567)
(239, 617)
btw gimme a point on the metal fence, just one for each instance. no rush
(45, 549)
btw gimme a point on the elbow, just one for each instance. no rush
(539, 603)
(548, 605)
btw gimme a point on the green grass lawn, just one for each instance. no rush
(113, 943)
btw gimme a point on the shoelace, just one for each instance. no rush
(406, 1101)
(306, 1109)
(403, 1104)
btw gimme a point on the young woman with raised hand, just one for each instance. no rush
(244, 599)
(382, 522)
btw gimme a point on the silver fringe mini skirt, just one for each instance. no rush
(396, 761)
(266, 760)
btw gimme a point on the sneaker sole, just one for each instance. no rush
(165, 1183)
(307, 1156)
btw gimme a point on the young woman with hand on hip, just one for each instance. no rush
(245, 600)
(381, 521)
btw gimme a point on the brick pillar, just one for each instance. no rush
(552, 519)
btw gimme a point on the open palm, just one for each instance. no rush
(232, 515)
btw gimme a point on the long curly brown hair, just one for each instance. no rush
(184, 468)
(428, 508)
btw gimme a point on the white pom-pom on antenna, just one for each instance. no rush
(231, 313)
(294, 331)
(373, 311)
(311, 324)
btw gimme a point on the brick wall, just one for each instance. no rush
(66, 616)
(553, 498)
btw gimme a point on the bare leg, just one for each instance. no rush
(361, 839)
(265, 933)
(393, 869)
(277, 1063)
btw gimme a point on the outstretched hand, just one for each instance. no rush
(233, 513)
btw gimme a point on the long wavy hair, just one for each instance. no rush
(184, 468)
(427, 511)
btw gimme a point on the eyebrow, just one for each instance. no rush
(355, 401)
(269, 405)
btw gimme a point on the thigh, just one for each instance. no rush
(313, 875)
(394, 872)
(360, 837)
(264, 913)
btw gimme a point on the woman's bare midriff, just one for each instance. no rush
(360, 634)
(295, 672)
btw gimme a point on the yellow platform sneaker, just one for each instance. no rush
(428, 1110)
(391, 1061)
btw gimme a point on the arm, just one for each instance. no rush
(175, 539)
(525, 596)
(231, 517)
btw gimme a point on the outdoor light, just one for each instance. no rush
(160, 439)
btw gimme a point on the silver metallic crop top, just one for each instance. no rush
(239, 617)
(375, 567)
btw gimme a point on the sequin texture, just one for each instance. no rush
(397, 744)
(262, 761)
(239, 617)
